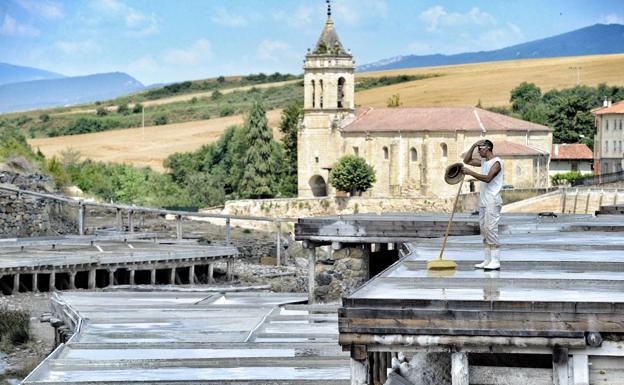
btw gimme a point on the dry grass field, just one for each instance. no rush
(466, 84)
(460, 85)
(130, 146)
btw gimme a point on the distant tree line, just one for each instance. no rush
(567, 111)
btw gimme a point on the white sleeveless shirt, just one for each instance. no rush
(490, 192)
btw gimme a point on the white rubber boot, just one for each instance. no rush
(487, 252)
(494, 261)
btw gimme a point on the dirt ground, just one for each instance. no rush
(24, 358)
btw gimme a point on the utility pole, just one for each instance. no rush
(143, 123)
(578, 73)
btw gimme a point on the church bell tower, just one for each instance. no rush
(328, 101)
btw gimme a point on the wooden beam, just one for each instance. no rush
(459, 369)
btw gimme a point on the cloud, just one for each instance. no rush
(142, 65)
(77, 47)
(137, 23)
(269, 49)
(198, 52)
(11, 27)
(224, 17)
(419, 48)
(436, 17)
(44, 8)
(612, 18)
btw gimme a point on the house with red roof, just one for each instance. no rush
(409, 148)
(608, 137)
(568, 157)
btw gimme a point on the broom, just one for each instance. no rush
(440, 263)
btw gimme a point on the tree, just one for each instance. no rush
(289, 126)
(394, 101)
(257, 181)
(138, 108)
(101, 111)
(352, 174)
(123, 109)
(160, 120)
(524, 96)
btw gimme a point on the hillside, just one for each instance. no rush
(59, 92)
(461, 85)
(10, 73)
(491, 83)
(597, 39)
(150, 149)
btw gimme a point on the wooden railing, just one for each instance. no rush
(131, 210)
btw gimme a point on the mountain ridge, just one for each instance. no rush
(597, 39)
(11, 73)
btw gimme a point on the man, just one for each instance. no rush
(491, 178)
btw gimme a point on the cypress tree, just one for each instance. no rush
(257, 181)
(289, 127)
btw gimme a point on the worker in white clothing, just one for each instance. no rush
(491, 178)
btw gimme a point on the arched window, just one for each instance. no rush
(444, 149)
(413, 154)
(313, 94)
(385, 152)
(321, 93)
(341, 83)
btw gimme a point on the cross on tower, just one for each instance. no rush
(328, 8)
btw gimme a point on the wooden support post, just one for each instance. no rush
(91, 279)
(172, 276)
(359, 365)
(601, 197)
(587, 202)
(560, 366)
(16, 282)
(383, 367)
(179, 227)
(375, 364)
(119, 219)
(35, 282)
(52, 283)
(210, 273)
(131, 221)
(278, 249)
(580, 369)
(111, 277)
(459, 369)
(81, 219)
(132, 281)
(72, 280)
(563, 200)
(311, 272)
(615, 196)
(153, 277)
(192, 274)
(228, 232)
(229, 273)
(575, 201)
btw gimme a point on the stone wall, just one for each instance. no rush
(344, 272)
(26, 216)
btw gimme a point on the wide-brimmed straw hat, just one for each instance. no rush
(453, 173)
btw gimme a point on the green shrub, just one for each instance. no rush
(138, 107)
(14, 328)
(352, 174)
(226, 111)
(568, 177)
(123, 109)
(160, 120)
(101, 111)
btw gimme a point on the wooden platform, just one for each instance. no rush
(194, 338)
(557, 293)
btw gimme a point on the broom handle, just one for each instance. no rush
(448, 227)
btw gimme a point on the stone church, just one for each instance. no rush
(408, 147)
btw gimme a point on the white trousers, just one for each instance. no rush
(488, 222)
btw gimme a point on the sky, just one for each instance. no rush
(160, 41)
